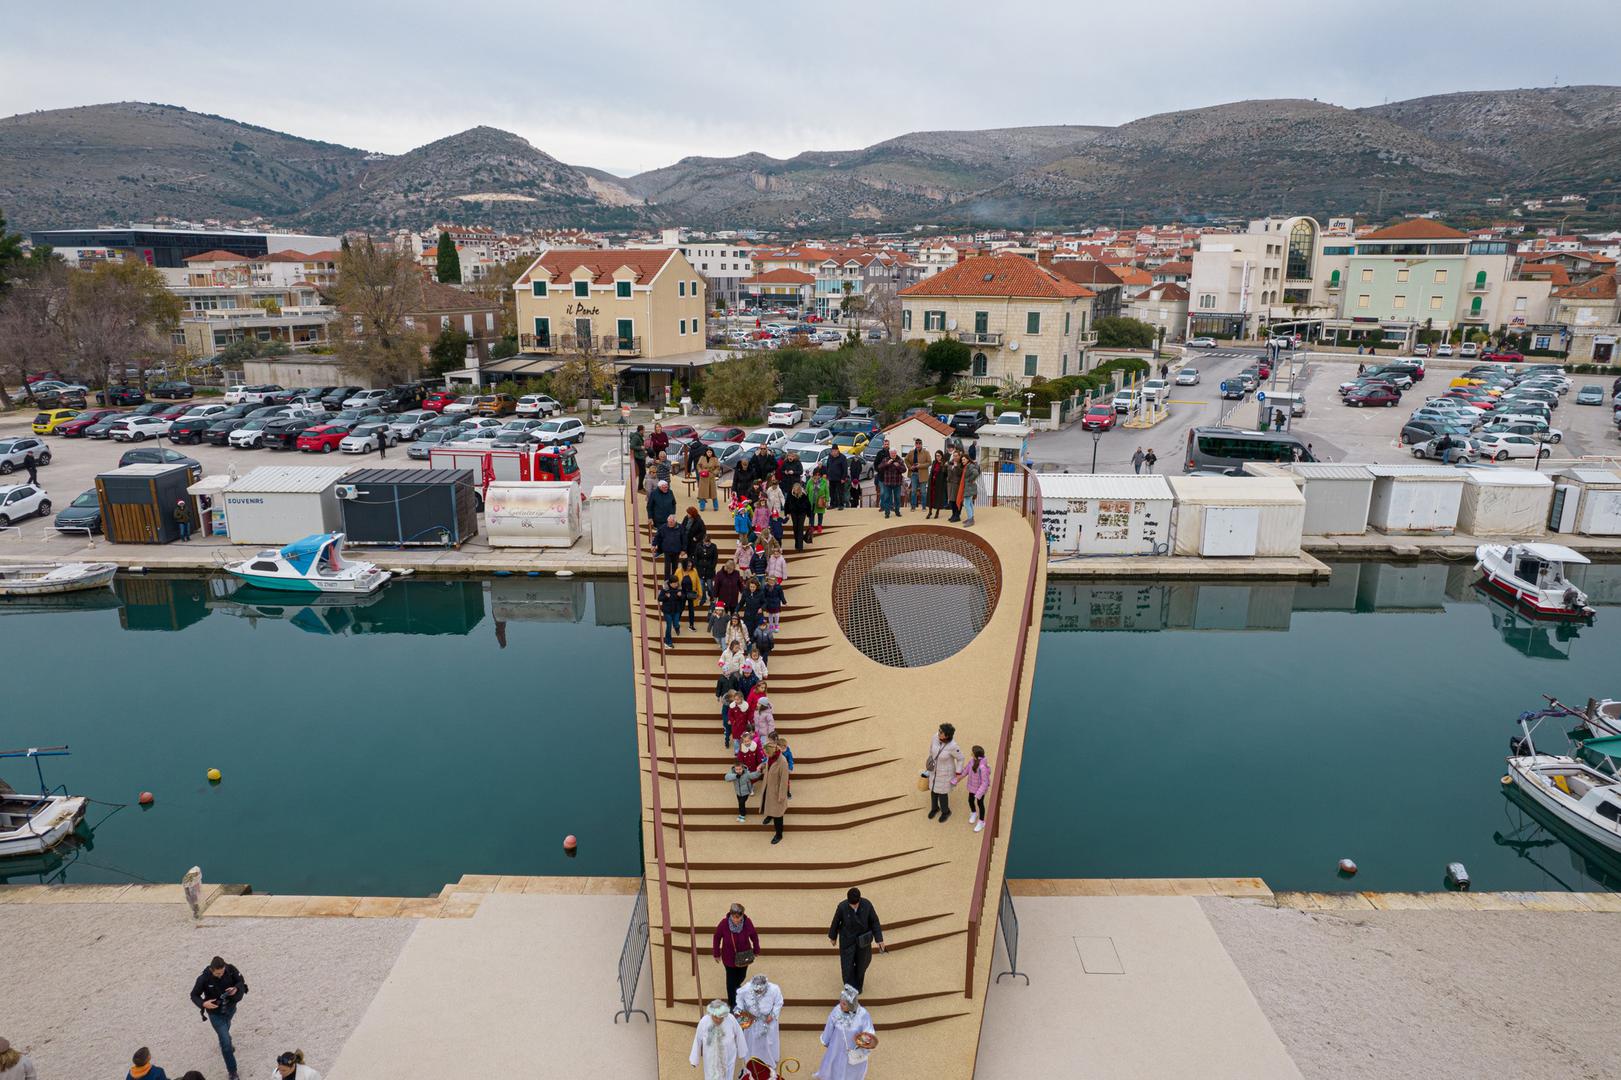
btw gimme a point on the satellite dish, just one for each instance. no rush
(951, 324)
(1014, 345)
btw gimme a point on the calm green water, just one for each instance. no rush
(450, 727)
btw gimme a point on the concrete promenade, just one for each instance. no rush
(860, 732)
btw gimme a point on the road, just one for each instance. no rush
(1189, 406)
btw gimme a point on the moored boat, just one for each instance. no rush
(1580, 796)
(34, 824)
(1532, 577)
(42, 579)
(313, 564)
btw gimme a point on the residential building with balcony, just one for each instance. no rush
(793, 288)
(1100, 279)
(1164, 307)
(1590, 316)
(1239, 282)
(1020, 319)
(724, 266)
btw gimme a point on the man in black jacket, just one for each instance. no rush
(217, 992)
(837, 467)
(855, 930)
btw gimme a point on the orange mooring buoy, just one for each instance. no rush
(1347, 867)
(145, 799)
(570, 843)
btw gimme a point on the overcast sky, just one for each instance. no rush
(628, 85)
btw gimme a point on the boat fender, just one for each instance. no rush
(570, 843)
(1506, 780)
(565, 573)
(213, 776)
(145, 799)
(1457, 876)
(1347, 867)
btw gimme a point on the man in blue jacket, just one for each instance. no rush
(670, 541)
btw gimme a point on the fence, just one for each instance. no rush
(630, 957)
(1009, 919)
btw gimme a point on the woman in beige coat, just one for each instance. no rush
(776, 788)
(940, 768)
(708, 477)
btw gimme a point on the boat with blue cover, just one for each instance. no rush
(313, 564)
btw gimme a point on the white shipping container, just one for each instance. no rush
(1415, 498)
(1599, 513)
(532, 514)
(277, 504)
(1505, 502)
(1229, 505)
(608, 519)
(1337, 498)
(1099, 513)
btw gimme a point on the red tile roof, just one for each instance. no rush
(1086, 272)
(1417, 229)
(1602, 287)
(288, 256)
(560, 264)
(998, 275)
(1174, 268)
(1169, 290)
(216, 256)
(926, 420)
(783, 275)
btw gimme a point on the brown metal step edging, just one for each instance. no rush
(795, 1025)
(845, 808)
(679, 650)
(798, 825)
(727, 759)
(779, 677)
(786, 691)
(816, 714)
(821, 931)
(889, 946)
(798, 776)
(786, 727)
(801, 865)
(796, 886)
(902, 999)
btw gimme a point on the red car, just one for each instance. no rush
(1263, 370)
(1372, 395)
(436, 401)
(813, 318)
(74, 429)
(1503, 357)
(325, 438)
(1098, 418)
(681, 431)
(716, 435)
(174, 412)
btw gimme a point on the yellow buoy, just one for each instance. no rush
(214, 776)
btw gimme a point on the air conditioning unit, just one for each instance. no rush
(346, 491)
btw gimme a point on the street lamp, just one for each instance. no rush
(1096, 437)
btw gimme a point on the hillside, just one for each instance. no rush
(133, 161)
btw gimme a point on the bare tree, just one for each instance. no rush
(32, 317)
(887, 375)
(118, 315)
(884, 305)
(584, 373)
(496, 287)
(375, 334)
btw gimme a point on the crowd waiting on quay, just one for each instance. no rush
(743, 597)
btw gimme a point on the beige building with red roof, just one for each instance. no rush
(1591, 314)
(1020, 319)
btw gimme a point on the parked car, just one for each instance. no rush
(402, 397)
(1423, 429)
(724, 435)
(333, 399)
(1372, 394)
(680, 431)
(193, 428)
(420, 447)
(1202, 343)
(537, 405)
(1469, 349)
(1592, 394)
(1524, 425)
(61, 397)
(1421, 349)
(1501, 447)
(785, 413)
(161, 455)
(20, 452)
(20, 501)
(563, 429)
(770, 438)
(121, 395)
(1443, 349)
(853, 423)
(324, 438)
(256, 395)
(173, 390)
(464, 405)
(51, 419)
(362, 398)
(1234, 389)
(409, 425)
(251, 435)
(438, 400)
(363, 412)
(804, 438)
(825, 415)
(84, 512)
(1457, 448)
(1098, 418)
(1187, 377)
(284, 432)
(495, 405)
(367, 438)
(76, 427)
(138, 428)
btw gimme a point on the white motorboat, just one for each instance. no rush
(1601, 717)
(1585, 799)
(313, 564)
(1532, 577)
(40, 579)
(33, 824)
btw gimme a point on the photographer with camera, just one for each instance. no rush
(216, 993)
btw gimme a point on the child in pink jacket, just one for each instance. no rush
(978, 774)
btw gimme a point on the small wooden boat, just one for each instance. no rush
(40, 579)
(1578, 795)
(313, 564)
(1532, 577)
(33, 824)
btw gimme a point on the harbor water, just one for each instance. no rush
(442, 727)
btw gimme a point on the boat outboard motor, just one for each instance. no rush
(1519, 746)
(1573, 599)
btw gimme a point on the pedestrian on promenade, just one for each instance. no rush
(1137, 460)
(693, 531)
(16, 1065)
(671, 601)
(661, 467)
(744, 773)
(760, 523)
(658, 442)
(776, 788)
(182, 518)
(217, 993)
(692, 589)
(739, 717)
(738, 633)
(719, 616)
(837, 467)
(798, 508)
(819, 493)
(772, 604)
(978, 775)
(856, 472)
(1149, 458)
(660, 503)
(776, 563)
(734, 947)
(728, 588)
(742, 511)
(709, 479)
(856, 931)
(776, 498)
(756, 660)
(940, 768)
(718, 1043)
(891, 474)
(765, 720)
(705, 559)
(753, 604)
(937, 484)
(848, 1036)
(668, 541)
(917, 464)
(761, 999)
(638, 453)
(290, 1066)
(143, 1069)
(33, 471)
(954, 472)
(970, 488)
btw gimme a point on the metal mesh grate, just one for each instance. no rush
(913, 597)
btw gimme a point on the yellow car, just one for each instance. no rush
(494, 405)
(850, 442)
(51, 419)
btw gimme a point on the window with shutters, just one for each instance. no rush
(1402, 275)
(1367, 273)
(1066, 324)
(582, 288)
(906, 319)
(681, 288)
(622, 290)
(538, 288)
(1363, 300)
(981, 365)
(1440, 277)
(1032, 322)
(1030, 365)
(1435, 303)
(543, 332)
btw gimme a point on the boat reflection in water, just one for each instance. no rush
(1535, 835)
(60, 603)
(49, 867)
(1540, 639)
(407, 606)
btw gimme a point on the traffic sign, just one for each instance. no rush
(1260, 395)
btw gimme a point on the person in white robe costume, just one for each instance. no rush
(843, 1059)
(763, 999)
(718, 1043)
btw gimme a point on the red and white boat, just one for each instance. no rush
(1532, 576)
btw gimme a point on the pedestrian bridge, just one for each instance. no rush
(891, 627)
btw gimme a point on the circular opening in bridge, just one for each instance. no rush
(913, 597)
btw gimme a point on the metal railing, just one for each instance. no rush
(630, 957)
(614, 345)
(1008, 918)
(1029, 502)
(976, 337)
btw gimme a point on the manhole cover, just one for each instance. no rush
(913, 597)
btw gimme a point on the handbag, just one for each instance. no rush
(923, 783)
